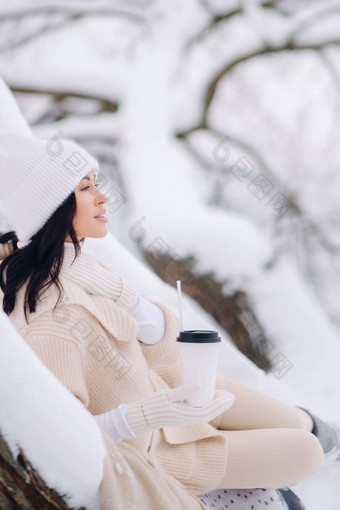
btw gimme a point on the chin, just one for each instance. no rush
(97, 235)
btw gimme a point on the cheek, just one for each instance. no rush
(84, 208)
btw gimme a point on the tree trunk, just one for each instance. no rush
(21, 487)
(233, 312)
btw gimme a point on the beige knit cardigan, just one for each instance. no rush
(90, 343)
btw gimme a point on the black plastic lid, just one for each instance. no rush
(198, 336)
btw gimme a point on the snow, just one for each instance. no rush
(56, 432)
(10, 116)
(293, 319)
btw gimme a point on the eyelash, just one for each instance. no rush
(87, 187)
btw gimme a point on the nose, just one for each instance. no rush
(101, 197)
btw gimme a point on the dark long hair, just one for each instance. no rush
(40, 261)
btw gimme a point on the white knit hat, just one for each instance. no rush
(36, 176)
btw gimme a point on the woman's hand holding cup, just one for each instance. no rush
(221, 402)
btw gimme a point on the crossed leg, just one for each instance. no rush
(269, 443)
(255, 410)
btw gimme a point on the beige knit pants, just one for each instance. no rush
(269, 443)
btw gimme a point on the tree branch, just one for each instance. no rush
(250, 150)
(72, 10)
(70, 13)
(219, 18)
(105, 103)
(311, 20)
(211, 90)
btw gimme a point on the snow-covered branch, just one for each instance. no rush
(218, 18)
(77, 9)
(212, 87)
(59, 16)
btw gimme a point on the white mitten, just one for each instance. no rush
(165, 408)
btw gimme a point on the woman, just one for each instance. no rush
(115, 350)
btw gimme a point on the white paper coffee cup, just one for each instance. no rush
(199, 351)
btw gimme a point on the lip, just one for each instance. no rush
(101, 213)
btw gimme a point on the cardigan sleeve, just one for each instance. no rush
(166, 351)
(64, 359)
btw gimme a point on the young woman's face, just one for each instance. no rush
(89, 201)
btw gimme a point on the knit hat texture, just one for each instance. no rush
(36, 176)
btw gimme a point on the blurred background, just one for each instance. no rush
(226, 106)
(217, 129)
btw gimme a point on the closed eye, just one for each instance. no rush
(87, 187)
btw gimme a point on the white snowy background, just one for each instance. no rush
(211, 97)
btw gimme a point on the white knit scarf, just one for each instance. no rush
(90, 275)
